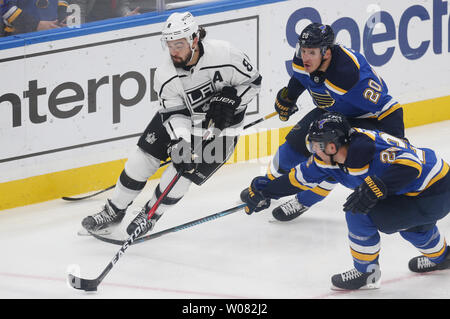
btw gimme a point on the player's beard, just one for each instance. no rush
(183, 62)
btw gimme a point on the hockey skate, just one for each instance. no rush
(141, 221)
(108, 216)
(423, 264)
(354, 280)
(289, 210)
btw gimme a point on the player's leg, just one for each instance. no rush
(415, 218)
(215, 153)
(141, 165)
(364, 241)
(290, 154)
(433, 247)
(172, 198)
(392, 124)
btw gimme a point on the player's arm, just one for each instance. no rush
(306, 176)
(370, 96)
(403, 169)
(245, 77)
(286, 100)
(15, 18)
(227, 108)
(175, 116)
(401, 172)
(375, 188)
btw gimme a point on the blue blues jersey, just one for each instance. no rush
(24, 15)
(405, 169)
(351, 86)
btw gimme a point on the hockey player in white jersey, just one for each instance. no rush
(202, 83)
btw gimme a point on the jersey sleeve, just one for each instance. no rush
(368, 95)
(397, 176)
(295, 89)
(312, 175)
(404, 167)
(245, 77)
(175, 116)
(16, 20)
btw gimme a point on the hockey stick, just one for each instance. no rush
(92, 284)
(173, 229)
(268, 116)
(88, 196)
(73, 199)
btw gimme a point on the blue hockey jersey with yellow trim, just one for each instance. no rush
(351, 87)
(386, 153)
(21, 16)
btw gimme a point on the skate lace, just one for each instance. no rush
(106, 215)
(291, 207)
(351, 274)
(424, 262)
(141, 217)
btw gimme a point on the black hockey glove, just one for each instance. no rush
(183, 157)
(284, 106)
(254, 199)
(222, 107)
(366, 196)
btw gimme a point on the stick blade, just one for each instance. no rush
(83, 284)
(107, 240)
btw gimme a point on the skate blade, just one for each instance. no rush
(373, 286)
(101, 232)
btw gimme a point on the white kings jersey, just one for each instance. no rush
(184, 93)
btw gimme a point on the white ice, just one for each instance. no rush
(236, 256)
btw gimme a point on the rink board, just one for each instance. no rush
(78, 99)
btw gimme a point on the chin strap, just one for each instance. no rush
(318, 76)
(192, 55)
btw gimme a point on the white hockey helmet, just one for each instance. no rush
(179, 26)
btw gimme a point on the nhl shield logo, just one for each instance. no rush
(151, 138)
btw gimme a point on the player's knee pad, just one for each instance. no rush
(141, 165)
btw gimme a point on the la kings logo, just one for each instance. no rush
(200, 95)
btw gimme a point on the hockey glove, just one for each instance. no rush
(366, 195)
(222, 107)
(183, 157)
(284, 106)
(254, 199)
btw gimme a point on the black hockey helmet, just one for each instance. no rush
(317, 35)
(330, 127)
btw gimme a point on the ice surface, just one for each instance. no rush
(237, 256)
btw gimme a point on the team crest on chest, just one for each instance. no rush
(322, 100)
(200, 95)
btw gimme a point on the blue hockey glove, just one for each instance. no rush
(254, 198)
(284, 106)
(366, 196)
